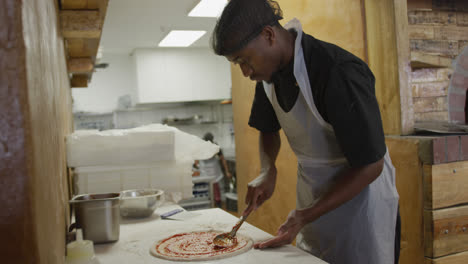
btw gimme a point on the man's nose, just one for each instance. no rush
(246, 70)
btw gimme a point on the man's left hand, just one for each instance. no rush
(286, 233)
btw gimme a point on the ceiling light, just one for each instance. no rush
(208, 8)
(181, 38)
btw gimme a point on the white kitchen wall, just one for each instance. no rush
(178, 75)
(96, 107)
(107, 85)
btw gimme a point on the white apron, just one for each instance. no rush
(360, 231)
(211, 168)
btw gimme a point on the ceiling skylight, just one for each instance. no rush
(208, 8)
(181, 38)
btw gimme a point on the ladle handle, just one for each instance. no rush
(237, 226)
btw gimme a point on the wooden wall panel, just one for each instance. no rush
(389, 59)
(336, 21)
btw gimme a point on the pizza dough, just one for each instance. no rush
(196, 246)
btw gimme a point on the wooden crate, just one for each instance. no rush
(433, 200)
(445, 231)
(445, 185)
(446, 212)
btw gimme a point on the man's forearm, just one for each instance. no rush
(269, 145)
(262, 188)
(225, 165)
(348, 185)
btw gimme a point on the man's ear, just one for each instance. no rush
(269, 34)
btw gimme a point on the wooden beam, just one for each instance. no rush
(451, 33)
(430, 104)
(445, 184)
(80, 65)
(79, 81)
(78, 48)
(98, 4)
(450, 5)
(80, 4)
(431, 116)
(448, 48)
(74, 4)
(419, 5)
(461, 5)
(430, 89)
(462, 19)
(431, 75)
(432, 18)
(424, 60)
(438, 32)
(389, 59)
(421, 32)
(445, 231)
(461, 45)
(81, 24)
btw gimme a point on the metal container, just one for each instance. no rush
(98, 215)
(140, 203)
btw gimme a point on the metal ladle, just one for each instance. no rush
(227, 239)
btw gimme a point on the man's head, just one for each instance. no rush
(247, 34)
(208, 137)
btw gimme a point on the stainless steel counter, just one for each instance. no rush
(137, 236)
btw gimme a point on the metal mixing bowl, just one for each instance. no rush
(140, 203)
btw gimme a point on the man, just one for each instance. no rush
(323, 98)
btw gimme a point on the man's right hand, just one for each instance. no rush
(260, 189)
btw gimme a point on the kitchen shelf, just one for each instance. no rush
(199, 179)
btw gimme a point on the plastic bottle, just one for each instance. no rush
(80, 251)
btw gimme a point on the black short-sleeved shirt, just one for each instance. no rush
(343, 92)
